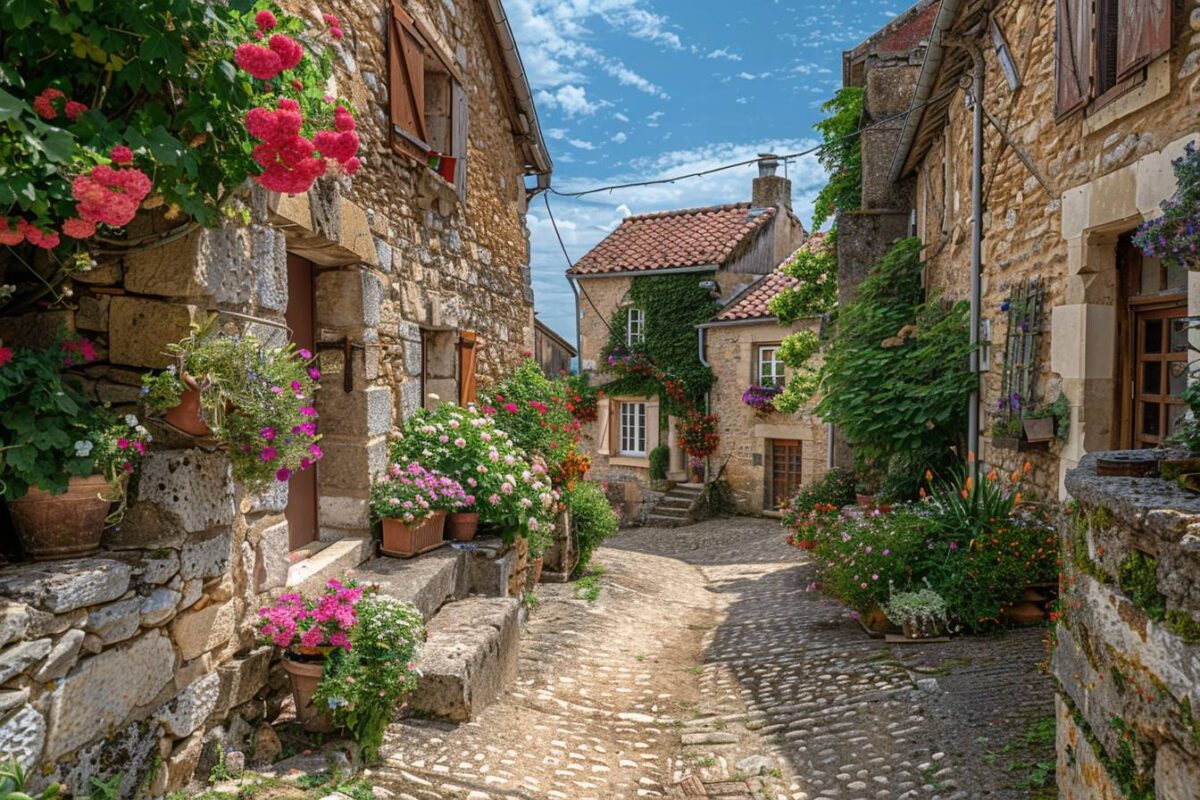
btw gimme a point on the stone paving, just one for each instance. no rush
(705, 667)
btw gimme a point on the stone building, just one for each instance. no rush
(552, 352)
(142, 661)
(729, 247)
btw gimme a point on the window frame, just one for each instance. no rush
(630, 339)
(778, 369)
(631, 429)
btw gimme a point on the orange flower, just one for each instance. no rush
(971, 457)
(965, 494)
(970, 484)
(921, 492)
(1017, 499)
(1028, 468)
(928, 474)
(1016, 476)
(991, 476)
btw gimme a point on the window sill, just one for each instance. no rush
(629, 461)
(1120, 103)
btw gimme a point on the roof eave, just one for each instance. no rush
(644, 271)
(541, 165)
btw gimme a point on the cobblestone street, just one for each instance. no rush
(704, 666)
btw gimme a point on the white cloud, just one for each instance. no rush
(620, 117)
(724, 53)
(655, 116)
(581, 144)
(571, 100)
(620, 137)
(556, 133)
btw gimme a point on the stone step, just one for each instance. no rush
(658, 521)
(676, 502)
(469, 658)
(678, 513)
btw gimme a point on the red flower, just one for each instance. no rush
(261, 62)
(288, 49)
(6, 355)
(10, 236)
(265, 20)
(74, 110)
(43, 104)
(121, 155)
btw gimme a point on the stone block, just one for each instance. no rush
(192, 671)
(11, 699)
(21, 656)
(154, 568)
(115, 622)
(188, 711)
(242, 678)
(92, 313)
(44, 624)
(64, 586)
(469, 658)
(1176, 775)
(272, 558)
(361, 413)
(426, 582)
(348, 299)
(101, 692)
(352, 465)
(37, 330)
(14, 621)
(182, 762)
(127, 756)
(206, 558)
(22, 736)
(487, 571)
(197, 632)
(159, 606)
(61, 658)
(341, 514)
(194, 486)
(268, 264)
(209, 262)
(138, 328)
(273, 499)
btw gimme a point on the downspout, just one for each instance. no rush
(578, 320)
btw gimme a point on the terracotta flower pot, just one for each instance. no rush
(305, 677)
(63, 525)
(461, 525)
(536, 569)
(916, 631)
(866, 500)
(186, 417)
(405, 540)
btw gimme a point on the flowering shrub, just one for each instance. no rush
(50, 431)
(582, 399)
(592, 518)
(761, 398)
(1175, 236)
(808, 526)
(294, 621)
(533, 410)
(512, 491)
(105, 111)
(698, 435)
(257, 399)
(412, 493)
(364, 683)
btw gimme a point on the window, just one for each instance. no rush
(427, 104)
(1103, 49)
(632, 431)
(770, 368)
(635, 326)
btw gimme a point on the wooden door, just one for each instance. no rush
(786, 461)
(301, 509)
(1160, 366)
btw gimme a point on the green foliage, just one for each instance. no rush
(895, 377)
(673, 306)
(592, 518)
(816, 294)
(834, 488)
(841, 155)
(904, 473)
(12, 784)
(1138, 578)
(532, 409)
(716, 500)
(924, 610)
(660, 457)
(587, 587)
(50, 431)
(797, 351)
(363, 686)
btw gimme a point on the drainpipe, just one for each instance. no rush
(700, 336)
(977, 89)
(578, 331)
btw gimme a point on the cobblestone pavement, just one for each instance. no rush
(705, 667)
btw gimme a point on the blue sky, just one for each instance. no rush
(635, 89)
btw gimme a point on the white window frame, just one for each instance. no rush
(631, 429)
(635, 326)
(778, 378)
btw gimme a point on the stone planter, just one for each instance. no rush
(1040, 429)
(919, 631)
(305, 676)
(186, 417)
(63, 525)
(404, 540)
(461, 526)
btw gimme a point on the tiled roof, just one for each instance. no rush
(690, 237)
(751, 303)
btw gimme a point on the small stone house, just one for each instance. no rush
(142, 662)
(552, 352)
(725, 247)
(765, 455)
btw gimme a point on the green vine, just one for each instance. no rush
(815, 267)
(841, 156)
(1138, 578)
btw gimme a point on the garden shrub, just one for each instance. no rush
(532, 409)
(716, 500)
(659, 458)
(592, 518)
(835, 488)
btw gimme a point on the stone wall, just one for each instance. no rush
(1127, 658)
(1025, 223)
(745, 450)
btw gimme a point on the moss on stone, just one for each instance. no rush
(1079, 549)
(1183, 625)
(1138, 578)
(1122, 768)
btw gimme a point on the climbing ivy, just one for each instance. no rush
(816, 292)
(841, 155)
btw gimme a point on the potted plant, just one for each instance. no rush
(255, 399)
(365, 681)
(761, 398)
(63, 459)
(698, 435)
(412, 503)
(920, 614)
(1175, 235)
(309, 631)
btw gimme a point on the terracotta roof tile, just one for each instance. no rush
(689, 237)
(751, 303)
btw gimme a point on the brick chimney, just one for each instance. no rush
(771, 189)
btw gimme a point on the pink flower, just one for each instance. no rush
(268, 453)
(308, 411)
(108, 195)
(267, 433)
(265, 20)
(494, 499)
(74, 110)
(336, 33)
(77, 228)
(510, 408)
(340, 639)
(261, 62)
(316, 451)
(122, 443)
(288, 49)
(314, 373)
(282, 474)
(304, 353)
(140, 447)
(312, 637)
(10, 236)
(43, 104)
(121, 155)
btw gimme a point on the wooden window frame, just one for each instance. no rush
(631, 429)
(778, 370)
(632, 339)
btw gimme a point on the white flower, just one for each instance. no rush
(83, 448)
(141, 429)
(131, 420)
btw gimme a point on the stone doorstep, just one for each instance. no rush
(426, 581)
(333, 561)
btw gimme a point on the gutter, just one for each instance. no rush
(729, 323)
(531, 128)
(701, 330)
(635, 272)
(934, 56)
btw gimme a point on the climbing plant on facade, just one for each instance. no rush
(841, 155)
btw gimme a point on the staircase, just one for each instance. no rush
(675, 508)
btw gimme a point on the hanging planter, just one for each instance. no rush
(1037, 430)
(186, 417)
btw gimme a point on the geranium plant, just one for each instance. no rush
(698, 435)
(50, 431)
(411, 493)
(1175, 235)
(533, 410)
(293, 621)
(256, 398)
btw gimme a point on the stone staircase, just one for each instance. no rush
(676, 507)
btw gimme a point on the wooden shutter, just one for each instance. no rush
(1143, 33)
(604, 426)
(1073, 39)
(467, 359)
(406, 85)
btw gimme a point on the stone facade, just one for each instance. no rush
(1127, 654)
(141, 661)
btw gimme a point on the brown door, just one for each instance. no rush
(785, 471)
(1159, 374)
(302, 488)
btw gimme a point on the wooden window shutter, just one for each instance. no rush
(468, 346)
(406, 85)
(604, 424)
(1072, 62)
(1143, 33)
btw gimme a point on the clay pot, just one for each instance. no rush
(875, 620)
(461, 525)
(305, 677)
(866, 500)
(1026, 614)
(912, 631)
(405, 540)
(186, 417)
(535, 570)
(62, 525)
